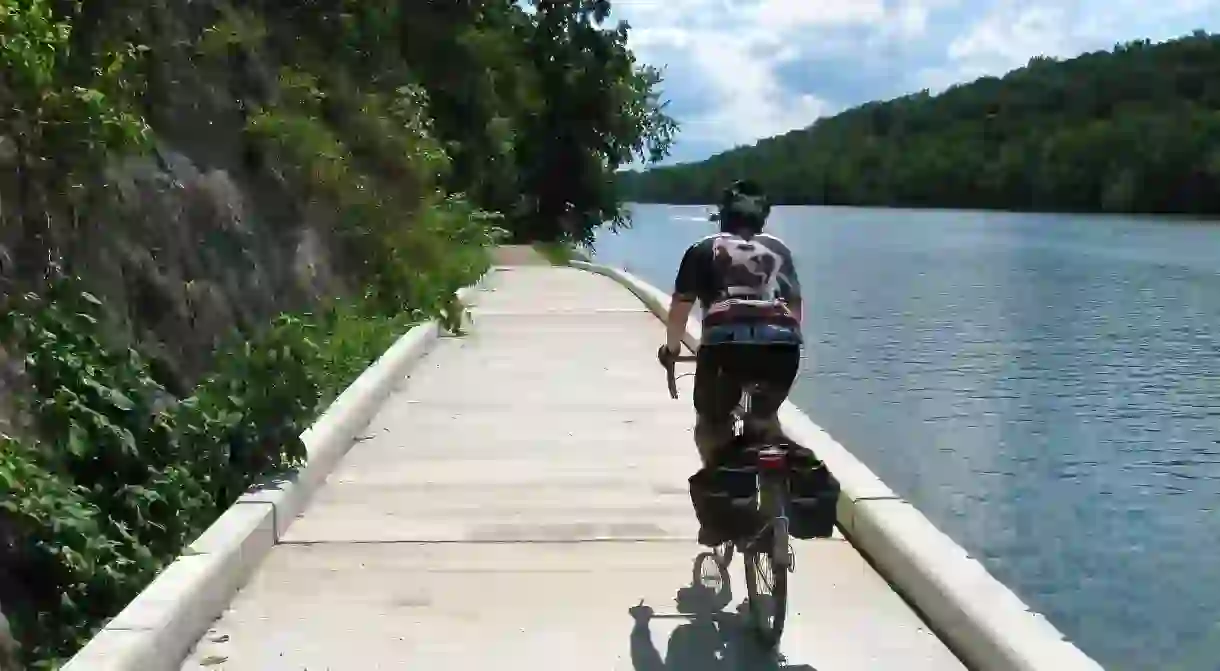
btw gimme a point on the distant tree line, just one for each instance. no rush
(1135, 129)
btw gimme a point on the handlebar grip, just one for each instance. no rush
(669, 370)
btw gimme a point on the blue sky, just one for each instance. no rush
(740, 70)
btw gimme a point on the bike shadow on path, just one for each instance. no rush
(713, 639)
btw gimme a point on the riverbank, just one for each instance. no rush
(539, 340)
(1202, 218)
(1036, 385)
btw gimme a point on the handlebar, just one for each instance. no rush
(669, 371)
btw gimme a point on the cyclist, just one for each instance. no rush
(748, 287)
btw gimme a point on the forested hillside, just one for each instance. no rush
(1136, 129)
(215, 214)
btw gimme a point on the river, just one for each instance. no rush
(1045, 388)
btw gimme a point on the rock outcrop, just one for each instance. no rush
(203, 237)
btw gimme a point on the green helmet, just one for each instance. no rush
(743, 204)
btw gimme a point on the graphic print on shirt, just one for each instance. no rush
(749, 292)
(747, 269)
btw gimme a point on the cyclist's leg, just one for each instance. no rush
(775, 367)
(715, 396)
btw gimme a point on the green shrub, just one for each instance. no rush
(106, 498)
(66, 110)
(245, 420)
(122, 475)
(69, 567)
(125, 476)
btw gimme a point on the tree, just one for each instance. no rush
(1136, 129)
(601, 109)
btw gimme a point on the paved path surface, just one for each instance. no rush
(518, 255)
(516, 496)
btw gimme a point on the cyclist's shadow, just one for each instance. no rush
(713, 640)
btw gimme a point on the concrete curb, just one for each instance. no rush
(157, 630)
(981, 620)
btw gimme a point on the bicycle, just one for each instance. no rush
(761, 551)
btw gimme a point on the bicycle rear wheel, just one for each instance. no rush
(767, 573)
(767, 586)
(723, 554)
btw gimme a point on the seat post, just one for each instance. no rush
(753, 431)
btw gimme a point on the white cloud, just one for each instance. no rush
(1009, 33)
(1004, 39)
(736, 47)
(748, 99)
(784, 16)
(740, 70)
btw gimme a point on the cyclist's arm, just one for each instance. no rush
(675, 328)
(692, 276)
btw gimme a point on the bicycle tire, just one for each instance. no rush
(768, 632)
(769, 627)
(698, 577)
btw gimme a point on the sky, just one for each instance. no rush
(740, 70)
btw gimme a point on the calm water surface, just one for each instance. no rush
(1044, 388)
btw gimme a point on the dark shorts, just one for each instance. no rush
(723, 371)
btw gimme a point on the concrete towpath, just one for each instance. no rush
(515, 500)
(518, 255)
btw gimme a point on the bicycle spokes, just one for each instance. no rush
(768, 597)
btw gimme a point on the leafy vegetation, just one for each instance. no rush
(431, 131)
(1136, 129)
(535, 110)
(64, 109)
(120, 480)
(124, 476)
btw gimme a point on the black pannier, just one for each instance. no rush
(724, 501)
(814, 493)
(725, 496)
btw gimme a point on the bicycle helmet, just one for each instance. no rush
(743, 205)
